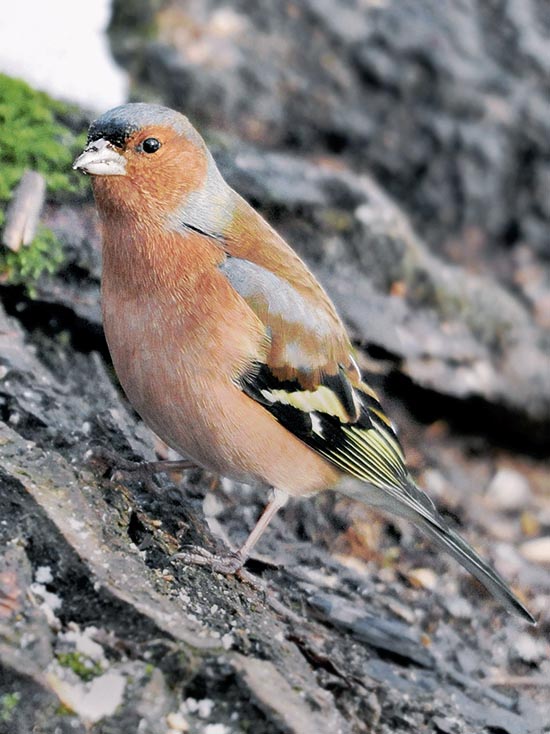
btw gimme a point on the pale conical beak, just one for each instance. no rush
(100, 158)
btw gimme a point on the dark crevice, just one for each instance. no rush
(137, 532)
(318, 660)
(221, 685)
(474, 417)
(52, 318)
(44, 545)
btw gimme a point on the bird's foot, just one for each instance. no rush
(228, 564)
(141, 470)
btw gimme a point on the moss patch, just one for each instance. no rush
(85, 668)
(8, 704)
(43, 255)
(33, 136)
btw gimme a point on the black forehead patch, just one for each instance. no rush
(114, 131)
(120, 123)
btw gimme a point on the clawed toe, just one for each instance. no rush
(227, 564)
(140, 470)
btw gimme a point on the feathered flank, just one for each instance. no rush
(224, 341)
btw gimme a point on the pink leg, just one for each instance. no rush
(233, 562)
(168, 465)
(278, 500)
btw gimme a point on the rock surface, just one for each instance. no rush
(402, 147)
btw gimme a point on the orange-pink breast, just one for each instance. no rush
(179, 335)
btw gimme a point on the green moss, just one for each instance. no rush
(33, 136)
(8, 704)
(85, 668)
(63, 710)
(24, 267)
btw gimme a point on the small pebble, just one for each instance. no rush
(177, 722)
(529, 649)
(43, 575)
(536, 550)
(227, 641)
(459, 607)
(205, 708)
(216, 729)
(424, 578)
(530, 524)
(509, 490)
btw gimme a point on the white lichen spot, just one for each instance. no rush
(177, 722)
(216, 729)
(92, 701)
(43, 575)
(227, 641)
(84, 644)
(52, 601)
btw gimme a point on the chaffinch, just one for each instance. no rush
(225, 343)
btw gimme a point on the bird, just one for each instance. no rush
(226, 344)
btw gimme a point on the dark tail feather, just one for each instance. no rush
(464, 553)
(406, 499)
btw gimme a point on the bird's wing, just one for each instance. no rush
(306, 340)
(315, 391)
(309, 381)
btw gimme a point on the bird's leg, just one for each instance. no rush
(233, 562)
(277, 501)
(154, 467)
(141, 470)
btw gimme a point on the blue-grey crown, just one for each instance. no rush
(118, 124)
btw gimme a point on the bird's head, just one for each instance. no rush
(144, 159)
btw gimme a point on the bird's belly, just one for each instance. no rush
(190, 402)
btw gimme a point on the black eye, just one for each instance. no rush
(150, 145)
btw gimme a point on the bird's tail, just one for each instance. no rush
(410, 502)
(457, 547)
